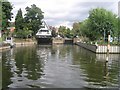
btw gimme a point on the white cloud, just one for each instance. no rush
(65, 12)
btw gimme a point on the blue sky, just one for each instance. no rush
(65, 12)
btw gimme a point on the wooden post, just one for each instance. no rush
(108, 48)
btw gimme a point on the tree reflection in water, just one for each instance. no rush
(99, 72)
(28, 62)
(58, 65)
(6, 69)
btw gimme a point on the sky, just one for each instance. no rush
(64, 12)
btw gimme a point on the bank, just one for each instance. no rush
(100, 49)
(17, 44)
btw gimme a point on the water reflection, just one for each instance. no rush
(0, 70)
(21, 65)
(58, 66)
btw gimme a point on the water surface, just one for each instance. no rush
(58, 66)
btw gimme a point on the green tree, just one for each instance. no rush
(119, 29)
(6, 14)
(69, 33)
(101, 22)
(19, 21)
(65, 32)
(0, 20)
(62, 30)
(76, 28)
(23, 33)
(85, 29)
(27, 32)
(33, 18)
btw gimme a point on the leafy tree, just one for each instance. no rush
(19, 21)
(65, 32)
(84, 28)
(22, 30)
(69, 33)
(101, 22)
(54, 31)
(118, 29)
(6, 14)
(0, 19)
(76, 28)
(23, 33)
(33, 18)
(27, 32)
(62, 30)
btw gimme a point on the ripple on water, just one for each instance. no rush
(58, 66)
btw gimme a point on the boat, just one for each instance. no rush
(44, 34)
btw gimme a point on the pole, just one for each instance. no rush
(108, 48)
(104, 35)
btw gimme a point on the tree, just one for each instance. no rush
(84, 28)
(19, 21)
(65, 32)
(33, 18)
(22, 30)
(101, 22)
(54, 33)
(118, 29)
(6, 14)
(0, 12)
(76, 28)
(62, 30)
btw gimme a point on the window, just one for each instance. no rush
(44, 31)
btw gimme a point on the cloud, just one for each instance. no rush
(65, 12)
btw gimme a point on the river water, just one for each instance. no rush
(58, 66)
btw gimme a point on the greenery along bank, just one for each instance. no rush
(99, 24)
(96, 27)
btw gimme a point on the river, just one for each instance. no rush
(58, 66)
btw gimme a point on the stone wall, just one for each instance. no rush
(58, 40)
(75, 40)
(88, 46)
(99, 48)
